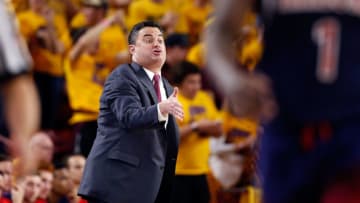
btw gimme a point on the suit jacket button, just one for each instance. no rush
(161, 167)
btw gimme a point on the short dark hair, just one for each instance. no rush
(77, 33)
(177, 39)
(139, 26)
(68, 156)
(5, 157)
(102, 4)
(183, 69)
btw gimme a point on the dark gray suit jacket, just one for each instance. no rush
(127, 161)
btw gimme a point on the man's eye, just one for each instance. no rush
(148, 40)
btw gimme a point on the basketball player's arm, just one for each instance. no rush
(219, 38)
(21, 105)
(20, 99)
(22, 111)
(249, 95)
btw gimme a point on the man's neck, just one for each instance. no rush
(153, 68)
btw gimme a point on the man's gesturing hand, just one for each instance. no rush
(172, 106)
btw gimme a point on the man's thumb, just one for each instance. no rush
(175, 92)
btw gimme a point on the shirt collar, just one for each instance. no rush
(150, 74)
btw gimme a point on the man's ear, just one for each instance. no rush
(131, 49)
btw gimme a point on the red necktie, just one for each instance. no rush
(156, 80)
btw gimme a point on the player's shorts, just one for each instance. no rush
(292, 173)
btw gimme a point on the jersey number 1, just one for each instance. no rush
(326, 35)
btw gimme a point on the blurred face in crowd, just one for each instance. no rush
(204, 1)
(191, 85)
(119, 3)
(149, 48)
(62, 183)
(93, 15)
(2, 184)
(37, 5)
(76, 165)
(32, 187)
(6, 169)
(42, 147)
(47, 178)
(176, 53)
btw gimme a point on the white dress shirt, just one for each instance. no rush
(151, 74)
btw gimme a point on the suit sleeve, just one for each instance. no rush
(124, 100)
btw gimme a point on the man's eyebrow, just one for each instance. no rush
(150, 35)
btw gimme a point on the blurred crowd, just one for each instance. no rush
(75, 44)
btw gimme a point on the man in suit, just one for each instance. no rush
(134, 154)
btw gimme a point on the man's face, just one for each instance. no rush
(149, 48)
(93, 15)
(76, 167)
(44, 149)
(6, 168)
(62, 183)
(191, 85)
(47, 179)
(178, 53)
(37, 4)
(32, 189)
(2, 184)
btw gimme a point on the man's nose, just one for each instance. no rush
(156, 43)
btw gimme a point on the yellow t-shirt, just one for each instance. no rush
(250, 53)
(29, 23)
(195, 18)
(177, 6)
(84, 79)
(112, 41)
(111, 11)
(147, 10)
(59, 8)
(44, 60)
(194, 149)
(78, 21)
(238, 129)
(196, 55)
(20, 5)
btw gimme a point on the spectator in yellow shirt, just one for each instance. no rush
(85, 75)
(201, 121)
(156, 10)
(112, 39)
(195, 14)
(48, 39)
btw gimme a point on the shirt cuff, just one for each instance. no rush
(161, 117)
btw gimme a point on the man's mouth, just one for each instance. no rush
(157, 52)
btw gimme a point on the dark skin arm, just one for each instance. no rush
(249, 95)
(22, 111)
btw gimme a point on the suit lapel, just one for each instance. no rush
(168, 88)
(172, 121)
(145, 80)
